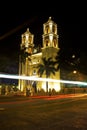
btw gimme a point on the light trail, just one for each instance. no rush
(40, 79)
(10, 32)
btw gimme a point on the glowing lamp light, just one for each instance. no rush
(73, 56)
(74, 71)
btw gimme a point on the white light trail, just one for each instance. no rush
(40, 79)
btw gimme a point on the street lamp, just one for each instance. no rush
(74, 72)
(73, 56)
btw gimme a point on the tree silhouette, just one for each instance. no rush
(23, 55)
(65, 59)
(46, 67)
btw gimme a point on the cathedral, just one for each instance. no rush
(49, 49)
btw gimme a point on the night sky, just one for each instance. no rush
(71, 22)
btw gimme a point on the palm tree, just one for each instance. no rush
(46, 67)
(24, 54)
(65, 60)
(24, 57)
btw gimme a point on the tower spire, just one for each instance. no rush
(50, 36)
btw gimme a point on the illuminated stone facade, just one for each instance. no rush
(49, 49)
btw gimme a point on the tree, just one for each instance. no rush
(67, 59)
(46, 67)
(23, 55)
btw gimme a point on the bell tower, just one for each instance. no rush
(27, 41)
(50, 37)
(26, 48)
(50, 46)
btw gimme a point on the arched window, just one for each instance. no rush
(30, 39)
(54, 42)
(47, 42)
(53, 29)
(47, 29)
(34, 72)
(24, 39)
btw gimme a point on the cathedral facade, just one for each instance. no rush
(33, 57)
